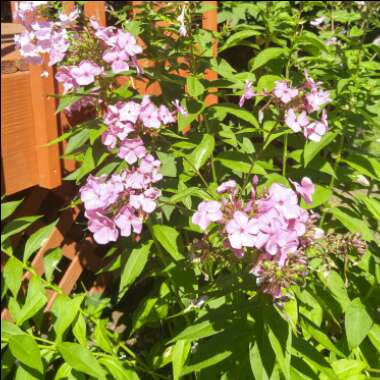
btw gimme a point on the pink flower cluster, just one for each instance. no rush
(272, 224)
(81, 75)
(42, 37)
(118, 206)
(121, 47)
(300, 104)
(297, 104)
(124, 118)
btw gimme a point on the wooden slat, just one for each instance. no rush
(96, 9)
(46, 128)
(210, 22)
(18, 156)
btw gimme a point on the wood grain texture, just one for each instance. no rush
(18, 157)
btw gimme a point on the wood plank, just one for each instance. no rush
(46, 128)
(18, 156)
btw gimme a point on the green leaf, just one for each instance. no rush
(9, 329)
(8, 208)
(101, 337)
(257, 365)
(179, 356)
(373, 335)
(133, 267)
(363, 165)
(348, 368)
(197, 331)
(18, 225)
(81, 359)
(352, 222)
(37, 240)
(24, 348)
(322, 338)
(67, 101)
(77, 140)
(34, 302)
(191, 191)
(51, 261)
(169, 238)
(201, 154)
(336, 286)
(237, 37)
(13, 271)
(312, 148)
(79, 330)
(194, 87)
(65, 310)
(116, 369)
(357, 322)
(228, 108)
(265, 56)
(168, 164)
(207, 362)
(372, 204)
(239, 162)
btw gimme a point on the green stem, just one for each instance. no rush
(285, 155)
(332, 181)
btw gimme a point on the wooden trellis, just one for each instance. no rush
(42, 170)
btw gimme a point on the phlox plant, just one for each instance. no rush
(241, 236)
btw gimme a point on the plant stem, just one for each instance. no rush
(285, 155)
(332, 181)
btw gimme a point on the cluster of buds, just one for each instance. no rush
(297, 105)
(274, 279)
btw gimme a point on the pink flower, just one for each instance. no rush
(296, 122)
(283, 92)
(129, 111)
(284, 200)
(145, 201)
(165, 115)
(85, 72)
(226, 187)
(305, 189)
(70, 18)
(132, 150)
(102, 227)
(179, 108)
(315, 130)
(316, 99)
(207, 212)
(241, 230)
(127, 221)
(247, 93)
(149, 114)
(100, 193)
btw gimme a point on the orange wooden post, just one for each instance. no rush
(46, 128)
(210, 22)
(96, 9)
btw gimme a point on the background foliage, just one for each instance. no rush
(173, 312)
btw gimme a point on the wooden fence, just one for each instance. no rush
(28, 122)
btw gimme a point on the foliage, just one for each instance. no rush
(188, 306)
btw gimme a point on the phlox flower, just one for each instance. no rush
(241, 230)
(127, 221)
(207, 212)
(131, 150)
(248, 93)
(284, 92)
(86, 72)
(296, 122)
(103, 228)
(315, 130)
(305, 189)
